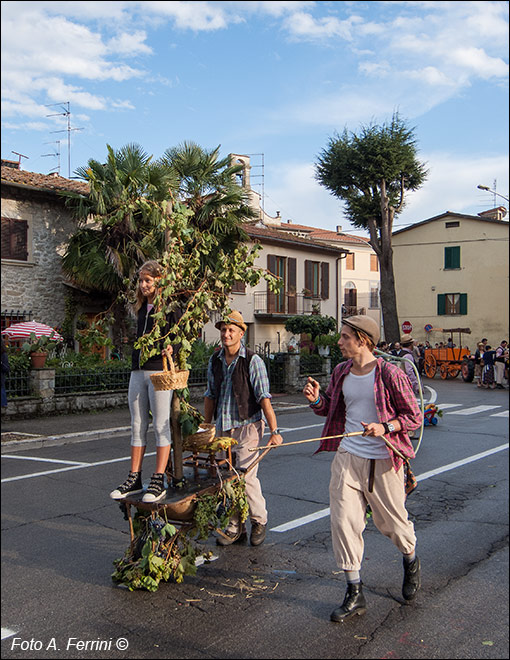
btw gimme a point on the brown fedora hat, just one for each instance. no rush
(366, 325)
(234, 318)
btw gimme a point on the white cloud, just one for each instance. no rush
(451, 186)
(477, 61)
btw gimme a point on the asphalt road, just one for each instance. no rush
(61, 533)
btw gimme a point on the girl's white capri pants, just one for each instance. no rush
(142, 398)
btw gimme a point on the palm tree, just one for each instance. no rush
(207, 186)
(120, 224)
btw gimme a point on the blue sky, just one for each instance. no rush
(271, 78)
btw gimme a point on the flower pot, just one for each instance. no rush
(38, 360)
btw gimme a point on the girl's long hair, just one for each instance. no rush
(154, 270)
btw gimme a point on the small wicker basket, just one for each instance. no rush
(170, 378)
(200, 440)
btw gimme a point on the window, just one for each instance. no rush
(451, 304)
(451, 257)
(239, 287)
(374, 295)
(317, 279)
(14, 239)
(350, 299)
(374, 263)
(285, 300)
(349, 261)
(449, 225)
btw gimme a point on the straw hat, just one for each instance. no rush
(234, 318)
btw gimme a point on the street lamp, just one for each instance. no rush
(493, 192)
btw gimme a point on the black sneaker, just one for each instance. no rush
(131, 486)
(156, 490)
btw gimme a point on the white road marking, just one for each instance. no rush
(7, 633)
(43, 460)
(73, 467)
(298, 522)
(445, 406)
(472, 411)
(500, 414)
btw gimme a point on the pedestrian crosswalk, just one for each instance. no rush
(473, 410)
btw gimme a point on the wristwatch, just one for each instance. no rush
(275, 432)
(388, 428)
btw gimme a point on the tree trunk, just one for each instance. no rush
(382, 247)
(388, 297)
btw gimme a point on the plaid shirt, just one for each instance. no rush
(394, 399)
(228, 413)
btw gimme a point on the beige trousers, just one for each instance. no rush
(247, 437)
(349, 495)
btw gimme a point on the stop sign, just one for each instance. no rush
(407, 326)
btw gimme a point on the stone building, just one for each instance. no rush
(36, 226)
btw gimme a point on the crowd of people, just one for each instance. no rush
(491, 365)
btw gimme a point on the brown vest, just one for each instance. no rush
(242, 388)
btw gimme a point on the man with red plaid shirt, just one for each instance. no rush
(373, 396)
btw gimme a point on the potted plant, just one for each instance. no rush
(324, 343)
(38, 348)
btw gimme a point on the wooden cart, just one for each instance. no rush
(449, 361)
(163, 534)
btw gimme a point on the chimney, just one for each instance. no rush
(494, 214)
(13, 164)
(339, 229)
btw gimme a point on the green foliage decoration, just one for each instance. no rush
(193, 286)
(161, 551)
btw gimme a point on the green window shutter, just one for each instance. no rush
(452, 257)
(441, 304)
(463, 303)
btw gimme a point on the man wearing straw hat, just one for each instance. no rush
(369, 394)
(237, 395)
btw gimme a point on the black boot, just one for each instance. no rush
(354, 603)
(412, 581)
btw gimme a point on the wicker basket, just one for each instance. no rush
(200, 440)
(170, 378)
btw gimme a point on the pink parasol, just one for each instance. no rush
(24, 330)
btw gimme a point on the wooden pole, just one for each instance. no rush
(176, 438)
(300, 442)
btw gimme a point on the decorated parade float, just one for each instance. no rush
(204, 487)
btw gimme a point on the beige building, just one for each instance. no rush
(311, 275)
(323, 271)
(451, 271)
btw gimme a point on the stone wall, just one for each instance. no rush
(37, 285)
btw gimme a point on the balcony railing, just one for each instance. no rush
(351, 310)
(285, 304)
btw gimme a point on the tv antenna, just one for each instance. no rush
(66, 107)
(55, 153)
(20, 157)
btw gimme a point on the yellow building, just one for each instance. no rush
(451, 271)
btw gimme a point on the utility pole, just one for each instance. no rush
(66, 107)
